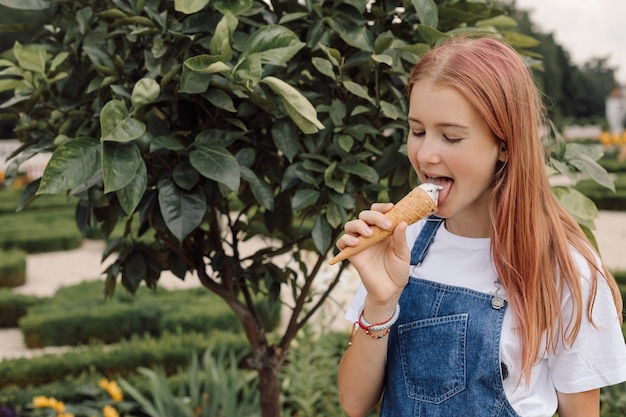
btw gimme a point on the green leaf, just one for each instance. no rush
(130, 196)
(361, 170)
(208, 64)
(220, 99)
(189, 6)
(589, 166)
(299, 108)
(71, 164)
(31, 57)
(134, 271)
(577, 204)
(182, 210)
(389, 110)
(236, 7)
(324, 66)
(248, 70)
(331, 181)
(193, 82)
(220, 42)
(321, 234)
(285, 138)
(58, 60)
(358, 90)
(427, 11)
(275, 44)
(519, 40)
(383, 59)
(262, 192)
(354, 35)
(117, 125)
(146, 91)
(185, 176)
(26, 4)
(304, 198)
(166, 142)
(498, 21)
(335, 215)
(120, 162)
(345, 142)
(217, 164)
(430, 34)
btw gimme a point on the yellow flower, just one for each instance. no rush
(65, 415)
(112, 388)
(109, 411)
(40, 401)
(49, 402)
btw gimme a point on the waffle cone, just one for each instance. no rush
(416, 205)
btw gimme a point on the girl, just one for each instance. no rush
(498, 306)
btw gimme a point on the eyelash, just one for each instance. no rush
(447, 139)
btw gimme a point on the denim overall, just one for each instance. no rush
(444, 351)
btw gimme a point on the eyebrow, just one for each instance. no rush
(411, 119)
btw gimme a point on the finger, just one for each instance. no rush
(347, 240)
(382, 207)
(375, 218)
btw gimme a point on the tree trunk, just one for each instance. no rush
(268, 363)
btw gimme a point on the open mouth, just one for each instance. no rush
(444, 182)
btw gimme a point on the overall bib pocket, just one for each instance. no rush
(433, 355)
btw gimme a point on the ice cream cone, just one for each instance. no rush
(416, 205)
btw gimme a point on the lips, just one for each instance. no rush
(445, 182)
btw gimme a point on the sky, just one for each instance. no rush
(586, 29)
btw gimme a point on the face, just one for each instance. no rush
(451, 145)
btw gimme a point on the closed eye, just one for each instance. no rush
(452, 140)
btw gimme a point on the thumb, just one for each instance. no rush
(400, 246)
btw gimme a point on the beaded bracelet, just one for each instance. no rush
(369, 328)
(364, 324)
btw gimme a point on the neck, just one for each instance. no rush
(468, 229)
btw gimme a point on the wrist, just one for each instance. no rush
(377, 312)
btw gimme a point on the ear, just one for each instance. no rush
(503, 155)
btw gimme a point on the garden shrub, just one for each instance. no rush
(170, 352)
(80, 314)
(47, 224)
(13, 306)
(12, 268)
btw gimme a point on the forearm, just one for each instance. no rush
(362, 368)
(361, 374)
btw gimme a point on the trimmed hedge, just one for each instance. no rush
(170, 352)
(12, 268)
(14, 306)
(80, 314)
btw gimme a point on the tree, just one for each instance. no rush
(201, 125)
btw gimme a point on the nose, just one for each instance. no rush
(427, 151)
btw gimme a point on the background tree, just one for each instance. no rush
(204, 125)
(572, 92)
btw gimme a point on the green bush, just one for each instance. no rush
(10, 200)
(40, 230)
(169, 352)
(14, 306)
(12, 268)
(46, 225)
(80, 314)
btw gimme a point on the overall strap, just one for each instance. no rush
(424, 239)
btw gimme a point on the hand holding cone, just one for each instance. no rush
(416, 205)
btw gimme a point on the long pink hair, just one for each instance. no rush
(532, 234)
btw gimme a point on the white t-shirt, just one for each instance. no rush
(596, 359)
